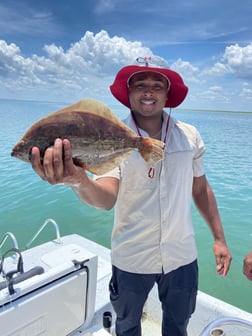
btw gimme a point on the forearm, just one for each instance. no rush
(101, 193)
(206, 204)
(60, 169)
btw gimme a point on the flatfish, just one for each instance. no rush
(99, 140)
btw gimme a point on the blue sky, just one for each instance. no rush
(67, 50)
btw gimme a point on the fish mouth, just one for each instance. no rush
(20, 152)
(16, 154)
(15, 151)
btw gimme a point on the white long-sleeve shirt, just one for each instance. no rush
(153, 230)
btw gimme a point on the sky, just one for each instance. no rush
(63, 51)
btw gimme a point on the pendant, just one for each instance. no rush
(151, 172)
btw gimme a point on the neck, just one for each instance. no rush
(153, 126)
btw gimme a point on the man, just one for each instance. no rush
(247, 266)
(153, 236)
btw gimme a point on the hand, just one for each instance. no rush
(223, 257)
(247, 266)
(56, 167)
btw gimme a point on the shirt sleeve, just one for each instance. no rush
(112, 173)
(198, 162)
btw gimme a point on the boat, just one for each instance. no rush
(60, 288)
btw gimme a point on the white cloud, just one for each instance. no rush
(236, 60)
(246, 93)
(184, 66)
(104, 6)
(216, 89)
(86, 67)
(9, 54)
(214, 93)
(188, 71)
(12, 63)
(219, 69)
(240, 60)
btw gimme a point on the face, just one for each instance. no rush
(148, 93)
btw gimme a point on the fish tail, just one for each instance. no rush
(151, 150)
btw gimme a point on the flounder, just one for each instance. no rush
(99, 140)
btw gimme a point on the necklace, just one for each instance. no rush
(151, 171)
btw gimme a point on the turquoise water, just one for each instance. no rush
(26, 201)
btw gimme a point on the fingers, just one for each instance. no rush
(36, 163)
(57, 162)
(220, 268)
(223, 267)
(67, 158)
(56, 165)
(219, 265)
(48, 164)
(223, 258)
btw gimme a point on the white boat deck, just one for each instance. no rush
(208, 308)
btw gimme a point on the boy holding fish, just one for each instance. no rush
(153, 236)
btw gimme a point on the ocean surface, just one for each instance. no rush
(26, 201)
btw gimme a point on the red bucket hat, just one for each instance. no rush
(175, 95)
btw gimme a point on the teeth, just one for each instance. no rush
(148, 102)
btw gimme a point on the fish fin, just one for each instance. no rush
(97, 108)
(106, 166)
(151, 150)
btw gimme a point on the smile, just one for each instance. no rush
(148, 102)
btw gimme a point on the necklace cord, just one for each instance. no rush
(151, 171)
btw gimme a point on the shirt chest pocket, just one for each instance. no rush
(134, 174)
(178, 161)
